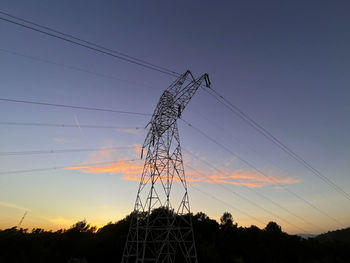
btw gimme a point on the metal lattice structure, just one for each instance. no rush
(161, 227)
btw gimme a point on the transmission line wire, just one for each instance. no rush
(74, 107)
(223, 130)
(89, 47)
(251, 189)
(262, 173)
(75, 68)
(216, 125)
(235, 109)
(164, 70)
(151, 66)
(227, 204)
(251, 202)
(61, 167)
(65, 125)
(268, 135)
(107, 162)
(87, 42)
(143, 63)
(32, 152)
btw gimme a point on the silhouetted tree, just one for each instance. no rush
(273, 228)
(215, 242)
(226, 221)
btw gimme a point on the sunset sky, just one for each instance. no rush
(285, 64)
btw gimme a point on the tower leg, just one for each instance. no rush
(161, 226)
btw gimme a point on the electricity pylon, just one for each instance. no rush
(20, 222)
(161, 226)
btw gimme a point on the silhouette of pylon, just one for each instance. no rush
(161, 226)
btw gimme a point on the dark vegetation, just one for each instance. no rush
(215, 242)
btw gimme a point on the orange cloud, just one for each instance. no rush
(131, 171)
(243, 178)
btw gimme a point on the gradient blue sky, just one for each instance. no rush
(286, 64)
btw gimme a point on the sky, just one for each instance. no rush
(285, 64)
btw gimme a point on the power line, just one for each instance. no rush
(89, 47)
(74, 107)
(216, 125)
(33, 152)
(227, 204)
(247, 163)
(255, 204)
(61, 167)
(75, 68)
(223, 130)
(256, 192)
(88, 42)
(164, 70)
(268, 135)
(65, 125)
(262, 173)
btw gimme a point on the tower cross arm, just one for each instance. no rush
(184, 94)
(171, 105)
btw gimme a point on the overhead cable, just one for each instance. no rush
(87, 42)
(262, 173)
(227, 204)
(251, 189)
(65, 125)
(33, 152)
(251, 202)
(73, 107)
(268, 135)
(130, 82)
(130, 59)
(89, 47)
(62, 167)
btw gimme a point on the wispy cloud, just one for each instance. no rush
(14, 206)
(240, 177)
(132, 171)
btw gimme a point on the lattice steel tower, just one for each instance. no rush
(161, 227)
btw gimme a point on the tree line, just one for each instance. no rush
(222, 241)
